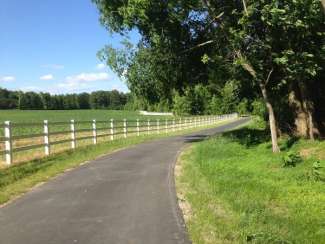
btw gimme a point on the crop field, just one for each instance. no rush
(38, 116)
(66, 115)
(30, 122)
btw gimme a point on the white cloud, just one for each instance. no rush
(100, 66)
(52, 66)
(7, 78)
(82, 80)
(47, 77)
(85, 77)
(30, 88)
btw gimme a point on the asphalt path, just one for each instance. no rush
(127, 197)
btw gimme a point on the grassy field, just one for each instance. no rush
(20, 178)
(65, 115)
(80, 116)
(234, 190)
(38, 116)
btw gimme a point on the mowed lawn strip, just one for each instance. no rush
(236, 191)
(19, 178)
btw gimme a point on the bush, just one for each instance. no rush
(230, 96)
(291, 159)
(242, 107)
(259, 109)
(200, 99)
(182, 105)
(215, 105)
(318, 171)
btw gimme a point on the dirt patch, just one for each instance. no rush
(307, 152)
(181, 187)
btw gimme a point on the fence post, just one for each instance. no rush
(173, 124)
(112, 129)
(73, 134)
(8, 142)
(148, 127)
(138, 128)
(46, 138)
(94, 132)
(158, 126)
(166, 126)
(125, 128)
(180, 124)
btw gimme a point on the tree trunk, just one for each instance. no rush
(272, 121)
(301, 103)
(309, 110)
(300, 115)
(311, 126)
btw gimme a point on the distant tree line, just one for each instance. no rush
(32, 100)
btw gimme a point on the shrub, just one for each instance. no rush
(259, 109)
(215, 105)
(242, 107)
(318, 171)
(291, 159)
(182, 105)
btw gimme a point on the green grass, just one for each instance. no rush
(65, 115)
(19, 178)
(27, 116)
(238, 191)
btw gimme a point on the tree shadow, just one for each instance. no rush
(195, 138)
(248, 137)
(287, 144)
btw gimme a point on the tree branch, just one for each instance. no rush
(245, 64)
(199, 45)
(245, 8)
(268, 76)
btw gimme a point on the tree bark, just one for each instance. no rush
(308, 109)
(272, 121)
(300, 115)
(323, 3)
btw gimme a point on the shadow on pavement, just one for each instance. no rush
(195, 138)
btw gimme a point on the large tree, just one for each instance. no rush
(274, 49)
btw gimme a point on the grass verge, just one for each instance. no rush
(234, 190)
(19, 178)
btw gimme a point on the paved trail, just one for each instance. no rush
(127, 197)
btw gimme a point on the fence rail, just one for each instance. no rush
(108, 130)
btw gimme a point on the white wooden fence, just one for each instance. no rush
(114, 129)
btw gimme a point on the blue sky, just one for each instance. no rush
(51, 46)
